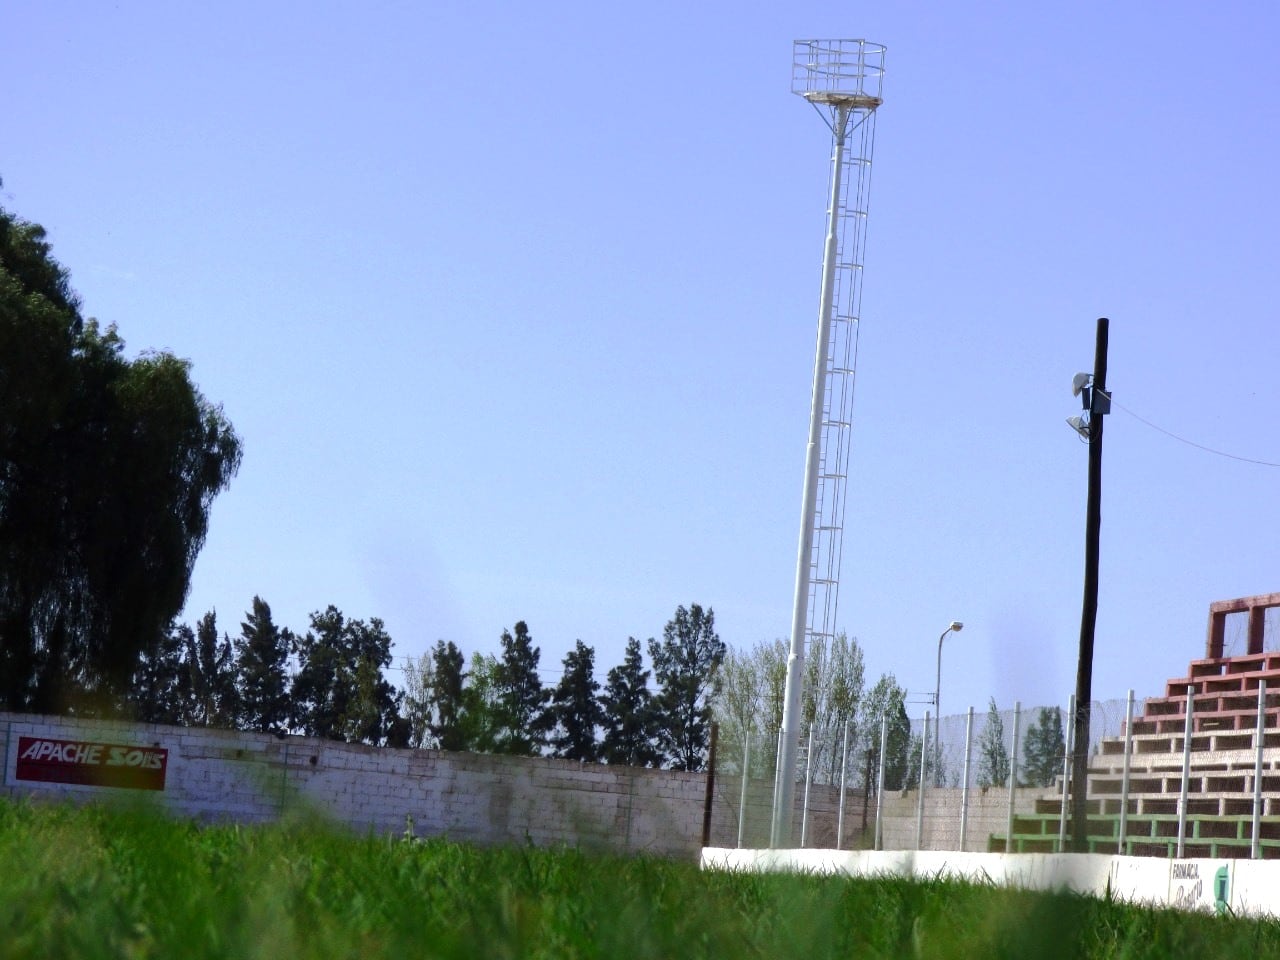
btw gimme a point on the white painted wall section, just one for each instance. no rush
(1243, 887)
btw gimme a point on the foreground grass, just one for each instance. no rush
(95, 883)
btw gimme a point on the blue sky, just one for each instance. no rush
(513, 305)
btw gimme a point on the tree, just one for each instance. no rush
(1044, 749)
(108, 470)
(211, 675)
(373, 714)
(339, 691)
(627, 713)
(447, 697)
(160, 686)
(887, 699)
(898, 749)
(262, 651)
(749, 703)
(576, 708)
(736, 709)
(993, 757)
(482, 716)
(416, 706)
(833, 687)
(911, 776)
(522, 700)
(685, 665)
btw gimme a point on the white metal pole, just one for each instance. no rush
(1259, 738)
(953, 627)
(773, 829)
(808, 779)
(746, 774)
(884, 739)
(1013, 777)
(1124, 777)
(964, 787)
(784, 785)
(1066, 776)
(924, 753)
(844, 767)
(1186, 771)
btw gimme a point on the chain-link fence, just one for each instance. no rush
(970, 781)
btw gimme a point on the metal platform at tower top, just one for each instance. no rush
(838, 73)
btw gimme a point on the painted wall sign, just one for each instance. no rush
(93, 764)
(1200, 884)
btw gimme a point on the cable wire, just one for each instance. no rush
(1192, 443)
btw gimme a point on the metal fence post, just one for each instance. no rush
(1066, 775)
(808, 779)
(924, 754)
(1186, 771)
(844, 764)
(964, 787)
(1013, 776)
(746, 773)
(1124, 777)
(1259, 738)
(878, 843)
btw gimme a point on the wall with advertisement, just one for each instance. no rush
(89, 763)
(249, 778)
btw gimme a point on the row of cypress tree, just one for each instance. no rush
(331, 681)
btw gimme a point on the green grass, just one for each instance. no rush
(99, 883)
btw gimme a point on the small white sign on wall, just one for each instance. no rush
(1200, 884)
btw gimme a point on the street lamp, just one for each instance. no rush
(954, 627)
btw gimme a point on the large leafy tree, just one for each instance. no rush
(262, 653)
(628, 719)
(685, 665)
(521, 698)
(339, 691)
(108, 469)
(1043, 749)
(576, 708)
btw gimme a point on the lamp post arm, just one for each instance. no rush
(937, 689)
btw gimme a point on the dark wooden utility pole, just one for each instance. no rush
(711, 787)
(1099, 404)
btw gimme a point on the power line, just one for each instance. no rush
(1192, 443)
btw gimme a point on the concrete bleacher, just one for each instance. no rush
(1220, 794)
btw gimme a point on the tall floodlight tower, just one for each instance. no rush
(843, 80)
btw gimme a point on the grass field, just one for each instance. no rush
(99, 883)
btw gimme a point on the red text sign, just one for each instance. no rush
(94, 764)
